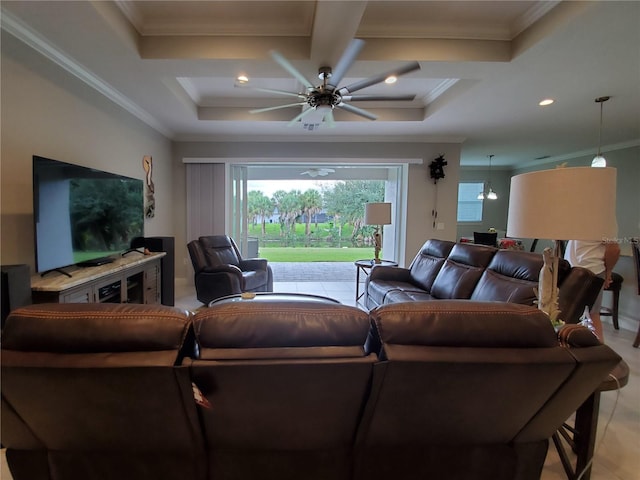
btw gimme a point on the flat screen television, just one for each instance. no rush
(82, 215)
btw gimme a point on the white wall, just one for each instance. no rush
(47, 112)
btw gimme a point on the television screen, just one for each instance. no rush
(82, 215)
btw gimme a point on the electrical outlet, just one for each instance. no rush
(440, 226)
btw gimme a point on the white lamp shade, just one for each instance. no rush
(563, 204)
(377, 213)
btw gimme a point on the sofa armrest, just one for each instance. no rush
(212, 283)
(253, 264)
(578, 289)
(387, 272)
(573, 335)
(230, 269)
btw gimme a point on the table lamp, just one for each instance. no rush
(561, 204)
(377, 214)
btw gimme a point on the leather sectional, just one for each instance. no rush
(289, 390)
(448, 270)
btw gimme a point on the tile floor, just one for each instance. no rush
(618, 445)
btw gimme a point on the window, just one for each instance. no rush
(469, 207)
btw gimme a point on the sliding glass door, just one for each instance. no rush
(239, 218)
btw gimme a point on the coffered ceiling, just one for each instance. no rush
(484, 66)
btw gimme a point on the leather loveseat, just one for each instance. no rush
(289, 390)
(448, 270)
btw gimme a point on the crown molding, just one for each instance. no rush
(582, 153)
(11, 24)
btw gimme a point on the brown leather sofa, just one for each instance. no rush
(220, 270)
(289, 390)
(448, 270)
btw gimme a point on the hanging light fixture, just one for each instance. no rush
(491, 195)
(599, 160)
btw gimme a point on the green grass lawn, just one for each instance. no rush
(311, 254)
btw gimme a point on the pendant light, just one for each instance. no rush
(599, 160)
(491, 195)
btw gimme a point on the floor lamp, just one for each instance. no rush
(377, 214)
(561, 204)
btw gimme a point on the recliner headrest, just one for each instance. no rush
(280, 324)
(95, 327)
(464, 323)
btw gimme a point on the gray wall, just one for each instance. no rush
(494, 212)
(48, 112)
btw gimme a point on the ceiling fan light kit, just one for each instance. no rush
(329, 95)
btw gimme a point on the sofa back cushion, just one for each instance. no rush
(428, 262)
(511, 276)
(461, 271)
(155, 333)
(218, 250)
(280, 329)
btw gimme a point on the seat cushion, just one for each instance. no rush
(398, 296)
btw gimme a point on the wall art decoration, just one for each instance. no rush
(149, 200)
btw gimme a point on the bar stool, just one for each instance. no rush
(614, 287)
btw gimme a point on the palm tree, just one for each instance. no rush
(259, 205)
(311, 203)
(288, 204)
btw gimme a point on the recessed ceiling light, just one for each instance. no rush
(242, 79)
(545, 102)
(391, 79)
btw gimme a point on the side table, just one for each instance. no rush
(365, 267)
(582, 436)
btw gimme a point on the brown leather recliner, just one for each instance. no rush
(220, 269)
(94, 391)
(470, 389)
(287, 382)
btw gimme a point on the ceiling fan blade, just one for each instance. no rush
(357, 111)
(372, 98)
(268, 109)
(331, 123)
(300, 116)
(367, 82)
(272, 90)
(348, 57)
(284, 63)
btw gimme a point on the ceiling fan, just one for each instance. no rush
(318, 172)
(324, 98)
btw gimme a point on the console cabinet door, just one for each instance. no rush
(84, 294)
